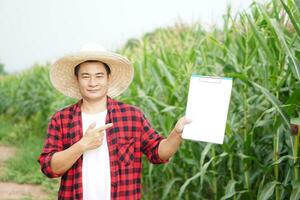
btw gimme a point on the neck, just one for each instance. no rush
(92, 107)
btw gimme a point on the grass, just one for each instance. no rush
(23, 167)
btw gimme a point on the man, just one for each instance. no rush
(96, 144)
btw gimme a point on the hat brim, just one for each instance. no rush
(63, 78)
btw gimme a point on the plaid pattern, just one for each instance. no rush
(130, 136)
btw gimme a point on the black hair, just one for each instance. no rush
(76, 69)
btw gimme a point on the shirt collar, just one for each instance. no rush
(109, 105)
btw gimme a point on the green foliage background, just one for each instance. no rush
(260, 49)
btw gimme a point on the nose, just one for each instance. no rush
(92, 82)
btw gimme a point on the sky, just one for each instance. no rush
(40, 31)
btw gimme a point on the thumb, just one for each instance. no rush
(92, 125)
(181, 123)
(187, 121)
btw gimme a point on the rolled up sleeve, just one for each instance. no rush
(150, 141)
(52, 145)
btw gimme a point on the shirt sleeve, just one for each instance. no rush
(150, 140)
(52, 145)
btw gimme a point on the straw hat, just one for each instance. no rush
(62, 71)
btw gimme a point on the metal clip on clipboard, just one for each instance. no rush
(210, 79)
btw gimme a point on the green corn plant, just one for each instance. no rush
(259, 48)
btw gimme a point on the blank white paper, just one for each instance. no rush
(207, 106)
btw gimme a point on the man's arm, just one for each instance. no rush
(168, 147)
(63, 160)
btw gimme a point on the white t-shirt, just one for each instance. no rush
(96, 166)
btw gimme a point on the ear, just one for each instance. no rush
(108, 79)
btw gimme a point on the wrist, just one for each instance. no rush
(80, 147)
(175, 135)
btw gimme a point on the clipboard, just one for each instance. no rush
(207, 107)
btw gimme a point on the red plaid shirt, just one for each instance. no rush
(130, 136)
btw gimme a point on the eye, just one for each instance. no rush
(99, 76)
(85, 77)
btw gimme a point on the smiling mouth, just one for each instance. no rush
(93, 91)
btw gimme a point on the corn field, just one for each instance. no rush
(259, 48)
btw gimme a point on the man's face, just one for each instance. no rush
(93, 81)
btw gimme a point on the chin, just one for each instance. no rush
(94, 96)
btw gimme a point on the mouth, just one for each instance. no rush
(93, 91)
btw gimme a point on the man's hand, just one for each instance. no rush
(93, 138)
(180, 125)
(168, 147)
(63, 160)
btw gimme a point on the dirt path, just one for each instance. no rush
(14, 191)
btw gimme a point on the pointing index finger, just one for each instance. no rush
(106, 126)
